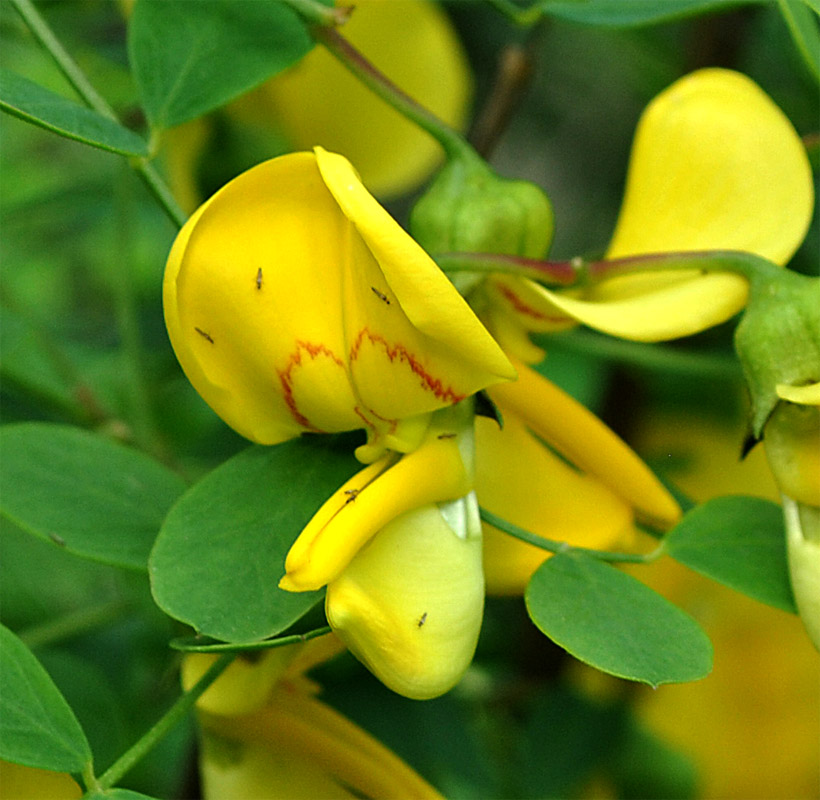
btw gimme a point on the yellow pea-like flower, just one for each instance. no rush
(19, 782)
(295, 303)
(715, 165)
(590, 502)
(287, 743)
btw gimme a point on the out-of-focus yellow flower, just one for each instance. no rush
(267, 736)
(295, 303)
(319, 101)
(715, 165)
(18, 782)
(399, 547)
(589, 502)
(719, 720)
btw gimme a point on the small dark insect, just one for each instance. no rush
(382, 297)
(259, 278)
(352, 495)
(446, 436)
(422, 619)
(204, 335)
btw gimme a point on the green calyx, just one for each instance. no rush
(469, 208)
(778, 340)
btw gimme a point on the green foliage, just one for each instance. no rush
(188, 61)
(739, 542)
(630, 13)
(37, 727)
(25, 99)
(613, 622)
(84, 492)
(221, 551)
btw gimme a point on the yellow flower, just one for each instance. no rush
(399, 547)
(589, 502)
(18, 782)
(284, 743)
(715, 165)
(318, 100)
(295, 303)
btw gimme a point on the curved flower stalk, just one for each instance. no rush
(589, 502)
(266, 734)
(318, 100)
(19, 782)
(399, 548)
(295, 303)
(715, 165)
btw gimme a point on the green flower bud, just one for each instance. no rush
(469, 208)
(778, 340)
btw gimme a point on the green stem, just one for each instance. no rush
(579, 271)
(555, 273)
(552, 546)
(189, 645)
(316, 13)
(72, 624)
(77, 78)
(171, 717)
(453, 143)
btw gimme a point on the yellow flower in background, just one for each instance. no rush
(399, 547)
(266, 735)
(18, 782)
(764, 687)
(318, 102)
(715, 165)
(295, 303)
(587, 495)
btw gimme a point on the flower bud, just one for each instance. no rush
(468, 208)
(778, 340)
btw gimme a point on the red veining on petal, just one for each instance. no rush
(398, 351)
(522, 308)
(286, 377)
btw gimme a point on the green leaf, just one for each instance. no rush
(739, 542)
(83, 492)
(632, 13)
(190, 59)
(803, 27)
(613, 622)
(29, 101)
(221, 552)
(37, 727)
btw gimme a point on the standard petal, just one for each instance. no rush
(519, 479)
(319, 101)
(410, 604)
(253, 303)
(715, 165)
(576, 433)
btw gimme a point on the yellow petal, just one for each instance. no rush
(244, 686)
(672, 308)
(318, 101)
(807, 395)
(576, 433)
(309, 750)
(284, 321)
(18, 782)
(520, 480)
(435, 472)
(410, 603)
(715, 165)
